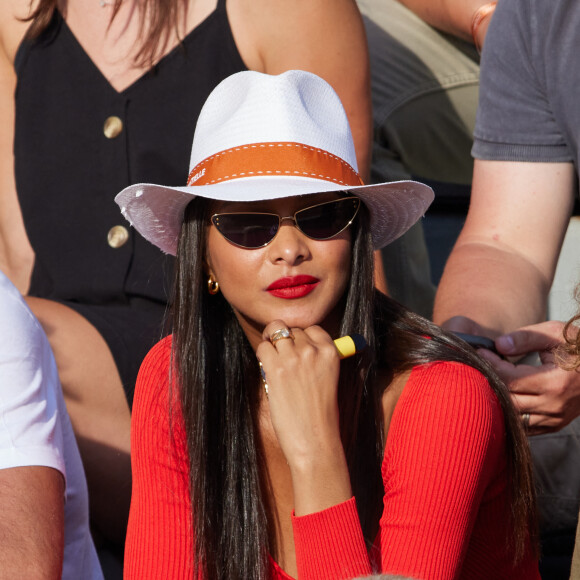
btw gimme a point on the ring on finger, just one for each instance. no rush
(526, 420)
(281, 334)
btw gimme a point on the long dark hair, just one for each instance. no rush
(220, 392)
(158, 18)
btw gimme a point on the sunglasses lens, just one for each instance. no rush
(248, 230)
(326, 220)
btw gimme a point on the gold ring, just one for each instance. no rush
(526, 420)
(281, 334)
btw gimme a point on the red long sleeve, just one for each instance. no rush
(445, 506)
(159, 539)
(330, 544)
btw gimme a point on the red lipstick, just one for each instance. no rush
(293, 286)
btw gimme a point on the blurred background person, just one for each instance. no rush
(44, 528)
(497, 279)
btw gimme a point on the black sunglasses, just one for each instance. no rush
(253, 230)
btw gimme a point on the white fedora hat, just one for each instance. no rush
(266, 137)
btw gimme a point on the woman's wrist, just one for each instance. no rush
(307, 460)
(320, 481)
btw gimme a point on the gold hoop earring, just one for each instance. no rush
(213, 286)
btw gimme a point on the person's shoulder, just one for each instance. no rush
(447, 402)
(157, 360)
(154, 375)
(161, 349)
(293, 6)
(451, 385)
(286, 19)
(444, 369)
(449, 374)
(13, 25)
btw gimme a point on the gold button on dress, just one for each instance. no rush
(112, 127)
(117, 236)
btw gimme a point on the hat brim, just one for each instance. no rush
(156, 211)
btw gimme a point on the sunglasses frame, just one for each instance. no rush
(216, 216)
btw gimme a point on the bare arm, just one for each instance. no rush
(498, 277)
(16, 256)
(501, 268)
(452, 16)
(325, 37)
(32, 523)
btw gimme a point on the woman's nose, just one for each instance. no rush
(290, 245)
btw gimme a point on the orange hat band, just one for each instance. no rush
(279, 159)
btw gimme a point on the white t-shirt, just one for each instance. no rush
(35, 428)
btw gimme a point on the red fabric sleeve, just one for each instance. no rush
(330, 544)
(159, 538)
(444, 446)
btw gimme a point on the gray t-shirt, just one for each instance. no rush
(529, 108)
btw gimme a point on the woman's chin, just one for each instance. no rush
(291, 319)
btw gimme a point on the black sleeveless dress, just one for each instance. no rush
(78, 142)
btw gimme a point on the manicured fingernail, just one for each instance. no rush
(505, 343)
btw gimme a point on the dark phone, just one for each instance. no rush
(477, 341)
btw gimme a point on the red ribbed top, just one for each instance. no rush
(445, 503)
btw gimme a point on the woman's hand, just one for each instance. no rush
(302, 375)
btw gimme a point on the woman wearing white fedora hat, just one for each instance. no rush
(257, 453)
